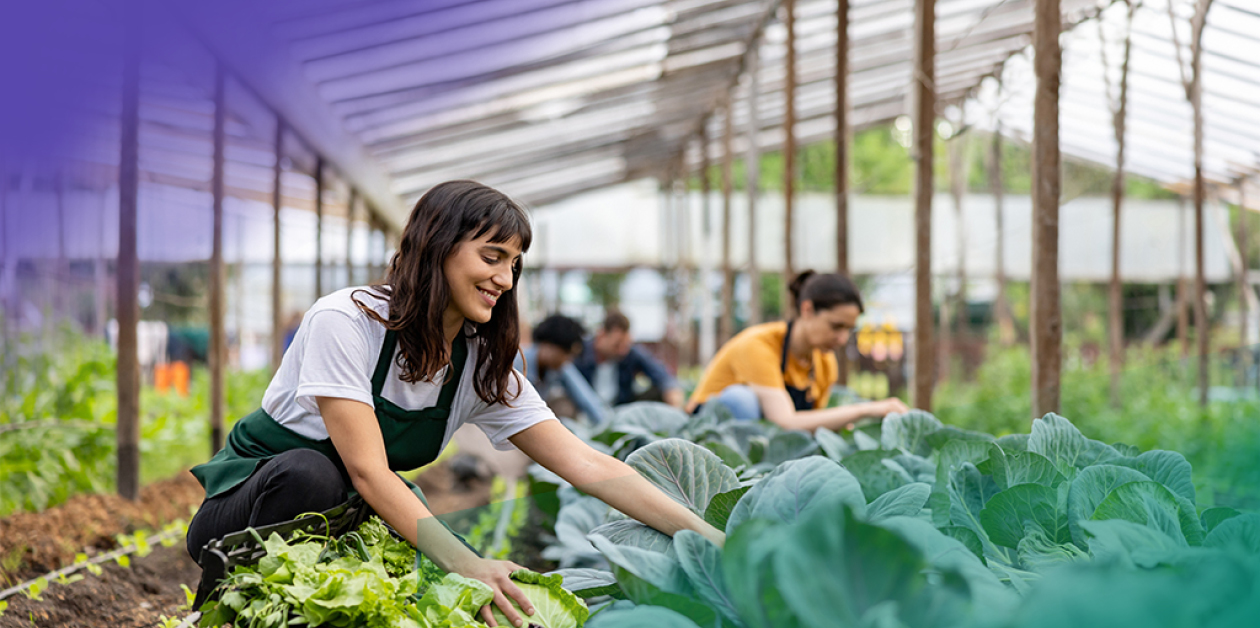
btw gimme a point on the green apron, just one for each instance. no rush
(413, 438)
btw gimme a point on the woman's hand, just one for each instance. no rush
(888, 406)
(495, 574)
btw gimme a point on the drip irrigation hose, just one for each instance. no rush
(52, 576)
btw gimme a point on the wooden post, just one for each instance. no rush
(1244, 312)
(127, 431)
(1001, 306)
(708, 330)
(686, 356)
(1202, 326)
(1192, 82)
(100, 271)
(378, 238)
(1119, 108)
(319, 227)
(368, 276)
(218, 340)
(61, 276)
(1183, 301)
(1046, 320)
(726, 326)
(1243, 286)
(752, 171)
(956, 154)
(277, 260)
(841, 135)
(351, 208)
(789, 153)
(923, 109)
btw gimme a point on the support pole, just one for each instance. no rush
(1183, 300)
(789, 153)
(752, 172)
(319, 227)
(218, 339)
(370, 261)
(842, 161)
(1202, 327)
(100, 301)
(1046, 320)
(1244, 311)
(277, 260)
(1119, 119)
(954, 328)
(708, 330)
(128, 269)
(686, 356)
(351, 209)
(923, 109)
(726, 327)
(61, 274)
(1002, 307)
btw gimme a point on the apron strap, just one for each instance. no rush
(800, 396)
(783, 356)
(446, 397)
(383, 361)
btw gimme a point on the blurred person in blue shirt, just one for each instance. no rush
(548, 365)
(611, 361)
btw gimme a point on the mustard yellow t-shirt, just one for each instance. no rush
(753, 357)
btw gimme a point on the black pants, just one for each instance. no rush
(294, 482)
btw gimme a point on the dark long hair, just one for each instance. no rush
(418, 293)
(824, 291)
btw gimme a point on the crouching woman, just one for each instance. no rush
(783, 371)
(377, 380)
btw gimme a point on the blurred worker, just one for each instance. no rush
(783, 371)
(549, 363)
(611, 360)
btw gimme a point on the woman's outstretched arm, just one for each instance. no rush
(357, 437)
(777, 407)
(612, 481)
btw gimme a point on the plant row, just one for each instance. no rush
(906, 523)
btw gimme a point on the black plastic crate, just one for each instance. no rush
(220, 556)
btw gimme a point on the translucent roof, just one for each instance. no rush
(546, 98)
(549, 98)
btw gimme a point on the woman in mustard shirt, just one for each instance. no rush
(783, 371)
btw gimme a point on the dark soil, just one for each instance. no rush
(33, 544)
(125, 597)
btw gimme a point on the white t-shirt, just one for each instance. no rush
(334, 354)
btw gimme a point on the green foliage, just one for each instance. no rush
(924, 524)
(367, 577)
(606, 288)
(554, 606)
(1160, 411)
(58, 414)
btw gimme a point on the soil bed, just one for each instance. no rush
(33, 544)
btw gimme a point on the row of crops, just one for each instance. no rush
(906, 523)
(58, 412)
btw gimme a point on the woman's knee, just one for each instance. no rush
(741, 401)
(307, 471)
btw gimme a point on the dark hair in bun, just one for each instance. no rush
(824, 291)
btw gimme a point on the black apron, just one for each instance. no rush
(413, 438)
(802, 398)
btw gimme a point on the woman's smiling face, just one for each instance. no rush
(478, 272)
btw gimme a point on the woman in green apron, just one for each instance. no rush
(378, 379)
